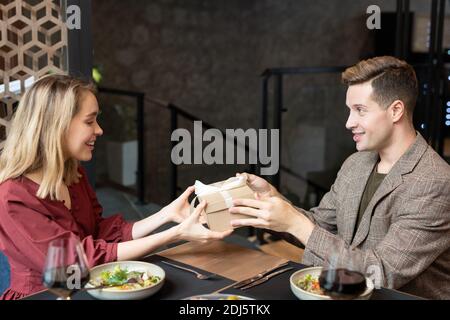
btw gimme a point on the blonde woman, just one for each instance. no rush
(45, 194)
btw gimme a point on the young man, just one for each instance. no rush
(390, 203)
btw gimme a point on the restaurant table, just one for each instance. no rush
(231, 263)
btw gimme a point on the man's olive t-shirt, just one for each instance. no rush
(372, 185)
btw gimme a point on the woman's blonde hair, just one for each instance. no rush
(37, 135)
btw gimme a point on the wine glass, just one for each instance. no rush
(66, 270)
(343, 275)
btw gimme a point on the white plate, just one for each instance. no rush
(134, 294)
(315, 272)
(218, 296)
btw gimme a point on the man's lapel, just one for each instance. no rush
(394, 178)
(360, 176)
(389, 183)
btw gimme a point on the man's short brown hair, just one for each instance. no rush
(392, 79)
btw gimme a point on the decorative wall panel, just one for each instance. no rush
(33, 42)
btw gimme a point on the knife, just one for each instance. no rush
(258, 276)
(266, 278)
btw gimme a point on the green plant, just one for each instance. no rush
(119, 122)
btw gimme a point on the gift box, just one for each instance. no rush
(219, 198)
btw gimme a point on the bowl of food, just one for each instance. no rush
(125, 280)
(305, 285)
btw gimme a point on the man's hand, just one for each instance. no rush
(274, 214)
(259, 185)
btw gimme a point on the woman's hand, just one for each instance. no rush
(179, 209)
(259, 185)
(191, 229)
(176, 211)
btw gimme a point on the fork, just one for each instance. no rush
(199, 275)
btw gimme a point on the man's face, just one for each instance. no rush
(369, 122)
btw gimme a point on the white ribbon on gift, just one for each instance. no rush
(231, 183)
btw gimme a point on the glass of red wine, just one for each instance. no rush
(66, 269)
(343, 275)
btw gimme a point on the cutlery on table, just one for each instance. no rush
(197, 274)
(258, 276)
(266, 278)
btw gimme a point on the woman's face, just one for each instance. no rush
(83, 129)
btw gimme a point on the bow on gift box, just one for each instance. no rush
(202, 189)
(219, 197)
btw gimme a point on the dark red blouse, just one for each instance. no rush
(28, 224)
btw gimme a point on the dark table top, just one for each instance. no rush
(180, 284)
(278, 288)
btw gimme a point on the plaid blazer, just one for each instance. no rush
(404, 232)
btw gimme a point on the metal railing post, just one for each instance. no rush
(141, 143)
(173, 166)
(277, 117)
(264, 112)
